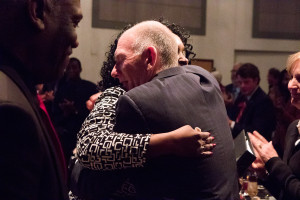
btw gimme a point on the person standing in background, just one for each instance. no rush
(232, 90)
(253, 109)
(69, 108)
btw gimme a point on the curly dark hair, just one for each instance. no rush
(182, 34)
(108, 81)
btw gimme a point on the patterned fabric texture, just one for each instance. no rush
(99, 148)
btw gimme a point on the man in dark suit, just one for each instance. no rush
(161, 98)
(253, 109)
(36, 39)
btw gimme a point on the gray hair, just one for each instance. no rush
(153, 33)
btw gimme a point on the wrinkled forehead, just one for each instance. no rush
(124, 45)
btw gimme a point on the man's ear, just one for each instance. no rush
(256, 80)
(150, 54)
(36, 13)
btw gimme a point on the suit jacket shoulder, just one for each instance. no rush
(29, 161)
(169, 86)
(176, 97)
(258, 115)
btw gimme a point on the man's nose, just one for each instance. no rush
(75, 44)
(183, 61)
(114, 73)
(74, 41)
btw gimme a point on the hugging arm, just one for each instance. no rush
(100, 148)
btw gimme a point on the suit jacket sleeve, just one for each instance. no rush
(286, 176)
(281, 174)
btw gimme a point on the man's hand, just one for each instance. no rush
(91, 102)
(184, 141)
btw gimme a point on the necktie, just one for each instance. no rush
(54, 136)
(242, 105)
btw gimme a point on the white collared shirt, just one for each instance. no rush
(298, 126)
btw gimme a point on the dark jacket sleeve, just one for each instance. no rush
(282, 175)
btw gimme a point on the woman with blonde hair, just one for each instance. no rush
(282, 176)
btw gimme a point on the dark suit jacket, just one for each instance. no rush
(29, 164)
(176, 97)
(284, 178)
(258, 115)
(230, 107)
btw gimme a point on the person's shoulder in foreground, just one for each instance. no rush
(34, 48)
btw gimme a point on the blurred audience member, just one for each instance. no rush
(283, 175)
(273, 81)
(218, 76)
(69, 105)
(46, 96)
(253, 109)
(273, 77)
(232, 91)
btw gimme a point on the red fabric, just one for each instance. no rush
(242, 107)
(54, 137)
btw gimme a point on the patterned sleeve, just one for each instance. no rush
(99, 148)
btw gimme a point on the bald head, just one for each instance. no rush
(40, 34)
(153, 33)
(17, 21)
(142, 52)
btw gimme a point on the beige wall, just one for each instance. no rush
(228, 40)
